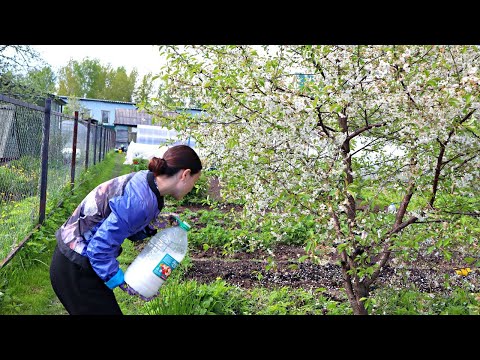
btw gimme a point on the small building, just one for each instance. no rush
(57, 102)
(123, 116)
(126, 122)
(103, 110)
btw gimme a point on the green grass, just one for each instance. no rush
(18, 219)
(412, 302)
(30, 293)
(25, 287)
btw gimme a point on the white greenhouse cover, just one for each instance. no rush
(143, 151)
(152, 141)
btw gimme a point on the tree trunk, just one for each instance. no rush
(355, 291)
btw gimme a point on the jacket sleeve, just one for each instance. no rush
(129, 215)
(143, 234)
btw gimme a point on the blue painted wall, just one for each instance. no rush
(97, 105)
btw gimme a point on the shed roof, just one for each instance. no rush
(132, 117)
(98, 100)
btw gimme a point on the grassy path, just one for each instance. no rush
(25, 287)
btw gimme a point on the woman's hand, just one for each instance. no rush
(164, 220)
(131, 291)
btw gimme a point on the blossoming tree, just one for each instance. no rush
(323, 131)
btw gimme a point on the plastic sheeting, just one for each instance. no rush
(154, 135)
(152, 141)
(143, 151)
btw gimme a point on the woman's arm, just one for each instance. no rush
(128, 216)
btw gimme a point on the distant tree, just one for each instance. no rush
(95, 78)
(90, 79)
(16, 61)
(75, 105)
(120, 86)
(42, 80)
(145, 90)
(71, 80)
(192, 103)
(82, 79)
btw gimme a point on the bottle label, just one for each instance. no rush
(165, 267)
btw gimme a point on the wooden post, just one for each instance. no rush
(44, 168)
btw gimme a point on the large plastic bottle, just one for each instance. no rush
(162, 254)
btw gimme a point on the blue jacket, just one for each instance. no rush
(115, 210)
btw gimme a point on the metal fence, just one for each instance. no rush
(42, 154)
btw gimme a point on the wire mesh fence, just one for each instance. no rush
(42, 153)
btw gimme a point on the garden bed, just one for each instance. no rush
(249, 270)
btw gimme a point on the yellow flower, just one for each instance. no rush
(463, 271)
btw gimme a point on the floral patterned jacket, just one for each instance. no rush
(127, 206)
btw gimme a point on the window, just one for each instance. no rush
(105, 116)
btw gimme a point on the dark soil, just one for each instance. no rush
(248, 270)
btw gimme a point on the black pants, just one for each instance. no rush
(79, 288)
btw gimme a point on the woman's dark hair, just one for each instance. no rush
(174, 159)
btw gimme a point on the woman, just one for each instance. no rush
(84, 269)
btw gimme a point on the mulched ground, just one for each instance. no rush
(248, 270)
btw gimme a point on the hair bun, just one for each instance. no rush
(174, 159)
(157, 165)
(162, 164)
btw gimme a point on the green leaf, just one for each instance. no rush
(303, 258)
(453, 102)
(469, 260)
(335, 108)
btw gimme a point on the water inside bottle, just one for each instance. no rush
(156, 262)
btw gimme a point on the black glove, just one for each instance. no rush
(143, 234)
(130, 291)
(164, 220)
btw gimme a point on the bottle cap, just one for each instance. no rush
(183, 224)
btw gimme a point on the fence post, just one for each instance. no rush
(74, 151)
(95, 146)
(44, 159)
(88, 144)
(105, 142)
(100, 144)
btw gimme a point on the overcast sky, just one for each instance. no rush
(145, 58)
